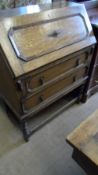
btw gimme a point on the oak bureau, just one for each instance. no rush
(43, 57)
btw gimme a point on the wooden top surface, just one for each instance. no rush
(85, 137)
(44, 37)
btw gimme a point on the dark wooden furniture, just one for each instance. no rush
(43, 58)
(84, 140)
(92, 10)
(93, 84)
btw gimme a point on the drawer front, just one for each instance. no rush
(50, 91)
(47, 76)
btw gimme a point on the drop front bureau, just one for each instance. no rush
(43, 57)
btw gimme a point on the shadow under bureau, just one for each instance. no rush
(43, 57)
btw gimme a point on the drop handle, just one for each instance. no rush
(42, 80)
(86, 70)
(74, 79)
(77, 62)
(41, 98)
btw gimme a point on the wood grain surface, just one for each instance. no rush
(38, 39)
(85, 138)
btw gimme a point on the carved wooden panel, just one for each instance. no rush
(37, 39)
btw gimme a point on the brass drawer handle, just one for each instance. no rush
(42, 80)
(77, 62)
(41, 98)
(74, 79)
(86, 70)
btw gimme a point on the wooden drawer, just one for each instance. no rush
(53, 90)
(33, 82)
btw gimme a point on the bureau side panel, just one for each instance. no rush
(8, 88)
